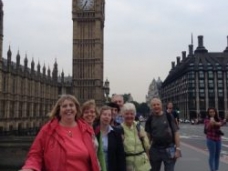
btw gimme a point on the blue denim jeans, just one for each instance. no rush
(157, 156)
(214, 148)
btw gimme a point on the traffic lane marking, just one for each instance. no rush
(223, 158)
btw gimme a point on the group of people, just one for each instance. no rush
(87, 138)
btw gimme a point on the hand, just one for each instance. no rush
(26, 170)
(169, 110)
(177, 154)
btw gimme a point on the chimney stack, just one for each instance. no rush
(178, 60)
(200, 48)
(190, 49)
(183, 55)
(173, 65)
(226, 50)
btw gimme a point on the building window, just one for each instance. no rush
(211, 102)
(4, 84)
(202, 104)
(210, 75)
(210, 83)
(201, 74)
(200, 66)
(209, 66)
(220, 84)
(201, 93)
(20, 109)
(11, 115)
(218, 66)
(211, 93)
(201, 83)
(220, 93)
(219, 74)
(191, 66)
(220, 104)
(192, 93)
(191, 84)
(192, 104)
(2, 105)
(14, 86)
(191, 75)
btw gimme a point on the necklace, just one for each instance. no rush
(68, 130)
(69, 133)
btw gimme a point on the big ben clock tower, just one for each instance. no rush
(88, 40)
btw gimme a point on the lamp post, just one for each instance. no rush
(106, 90)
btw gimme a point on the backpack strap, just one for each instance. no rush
(120, 130)
(138, 127)
(169, 118)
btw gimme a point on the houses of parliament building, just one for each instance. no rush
(28, 91)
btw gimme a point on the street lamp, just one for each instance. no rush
(106, 90)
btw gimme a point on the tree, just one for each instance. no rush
(143, 109)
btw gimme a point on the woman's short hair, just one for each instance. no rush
(55, 112)
(104, 108)
(114, 105)
(128, 107)
(87, 105)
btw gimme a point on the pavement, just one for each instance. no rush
(196, 159)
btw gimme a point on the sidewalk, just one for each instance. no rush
(196, 159)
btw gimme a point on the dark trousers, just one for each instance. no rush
(159, 155)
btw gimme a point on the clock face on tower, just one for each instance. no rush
(85, 4)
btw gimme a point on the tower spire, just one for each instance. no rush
(191, 38)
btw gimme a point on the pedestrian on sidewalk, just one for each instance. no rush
(213, 133)
(164, 137)
(170, 110)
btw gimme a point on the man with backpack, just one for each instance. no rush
(164, 137)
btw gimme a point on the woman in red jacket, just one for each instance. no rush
(64, 143)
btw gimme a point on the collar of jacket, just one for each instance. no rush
(83, 126)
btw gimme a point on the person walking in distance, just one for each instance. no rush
(213, 133)
(163, 134)
(170, 110)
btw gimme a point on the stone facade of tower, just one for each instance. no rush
(88, 40)
(1, 41)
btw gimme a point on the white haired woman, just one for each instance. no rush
(136, 143)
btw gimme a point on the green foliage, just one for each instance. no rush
(143, 108)
(126, 97)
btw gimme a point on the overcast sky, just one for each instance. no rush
(142, 37)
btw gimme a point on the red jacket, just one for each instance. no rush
(47, 152)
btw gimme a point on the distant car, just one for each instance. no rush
(186, 121)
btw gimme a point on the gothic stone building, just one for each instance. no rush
(27, 94)
(154, 90)
(198, 81)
